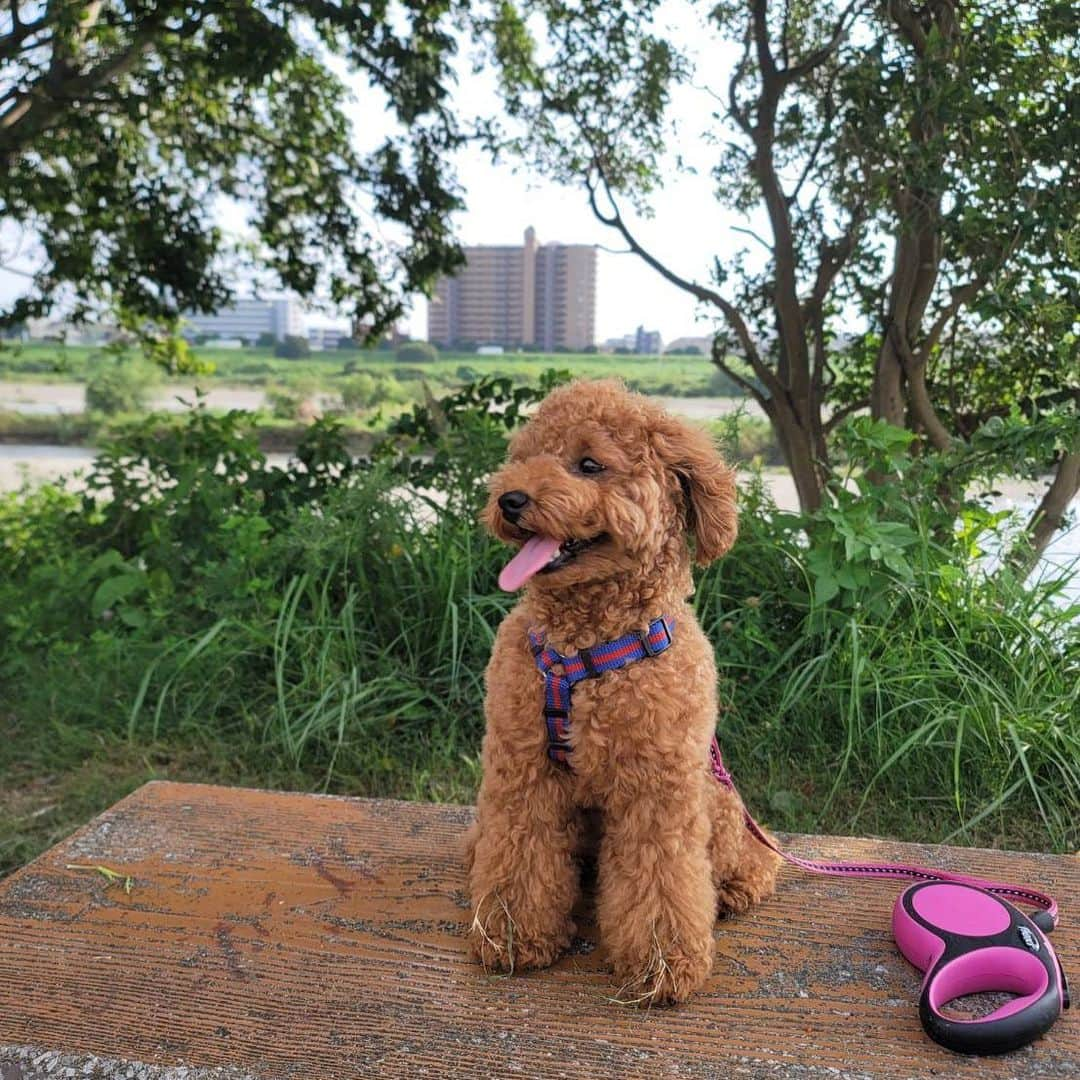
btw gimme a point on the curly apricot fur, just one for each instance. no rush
(673, 849)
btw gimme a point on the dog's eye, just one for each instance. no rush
(589, 466)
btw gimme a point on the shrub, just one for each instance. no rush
(266, 340)
(366, 391)
(722, 385)
(417, 352)
(284, 401)
(292, 348)
(323, 631)
(287, 400)
(120, 385)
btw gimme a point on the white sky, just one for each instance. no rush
(687, 231)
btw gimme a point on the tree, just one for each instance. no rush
(416, 352)
(915, 165)
(122, 122)
(292, 347)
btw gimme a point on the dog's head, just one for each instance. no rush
(602, 482)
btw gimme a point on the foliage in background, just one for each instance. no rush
(914, 168)
(416, 352)
(199, 612)
(119, 384)
(365, 391)
(292, 347)
(453, 444)
(123, 123)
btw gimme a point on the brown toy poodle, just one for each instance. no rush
(599, 493)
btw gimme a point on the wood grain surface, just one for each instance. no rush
(276, 935)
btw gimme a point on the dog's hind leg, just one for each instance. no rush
(743, 868)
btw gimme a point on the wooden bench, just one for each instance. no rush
(276, 935)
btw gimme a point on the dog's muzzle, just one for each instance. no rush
(512, 503)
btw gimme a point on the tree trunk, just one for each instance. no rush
(887, 391)
(797, 446)
(1050, 514)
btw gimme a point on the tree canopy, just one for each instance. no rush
(129, 129)
(916, 167)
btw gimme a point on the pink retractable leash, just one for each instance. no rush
(963, 932)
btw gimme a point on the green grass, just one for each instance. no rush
(672, 375)
(222, 621)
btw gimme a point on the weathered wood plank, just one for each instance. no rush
(289, 936)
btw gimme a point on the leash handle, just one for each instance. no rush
(1022, 894)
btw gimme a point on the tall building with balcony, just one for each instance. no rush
(538, 295)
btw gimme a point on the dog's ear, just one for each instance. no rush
(708, 483)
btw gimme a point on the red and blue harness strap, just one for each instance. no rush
(561, 672)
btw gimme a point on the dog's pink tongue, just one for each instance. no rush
(534, 555)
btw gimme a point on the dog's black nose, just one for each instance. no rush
(512, 503)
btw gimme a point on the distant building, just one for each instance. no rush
(647, 342)
(248, 320)
(532, 295)
(624, 344)
(642, 341)
(326, 337)
(702, 344)
(47, 329)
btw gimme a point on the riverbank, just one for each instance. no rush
(27, 462)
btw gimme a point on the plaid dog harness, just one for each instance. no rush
(561, 672)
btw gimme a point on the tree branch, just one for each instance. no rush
(843, 413)
(615, 220)
(820, 55)
(1051, 510)
(753, 236)
(12, 43)
(31, 115)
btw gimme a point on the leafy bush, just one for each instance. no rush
(722, 385)
(292, 348)
(326, 624)
(417, 352)
(923, 674)
(454, 444)
(266, 340)
(285, 401)
(120, 385)
(366, 391)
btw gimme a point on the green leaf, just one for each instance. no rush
(133, 617)
(113, 589)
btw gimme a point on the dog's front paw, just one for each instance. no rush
(666, 976)
(506, 940)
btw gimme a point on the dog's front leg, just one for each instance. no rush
(656, 904)
(523, 878)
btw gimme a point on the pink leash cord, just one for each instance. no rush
(1023, 894)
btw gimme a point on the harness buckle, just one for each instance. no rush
(585, 656)
(654, 650)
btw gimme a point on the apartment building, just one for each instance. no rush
(513, 296)
(248, 320)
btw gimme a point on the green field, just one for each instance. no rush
(677, 376)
